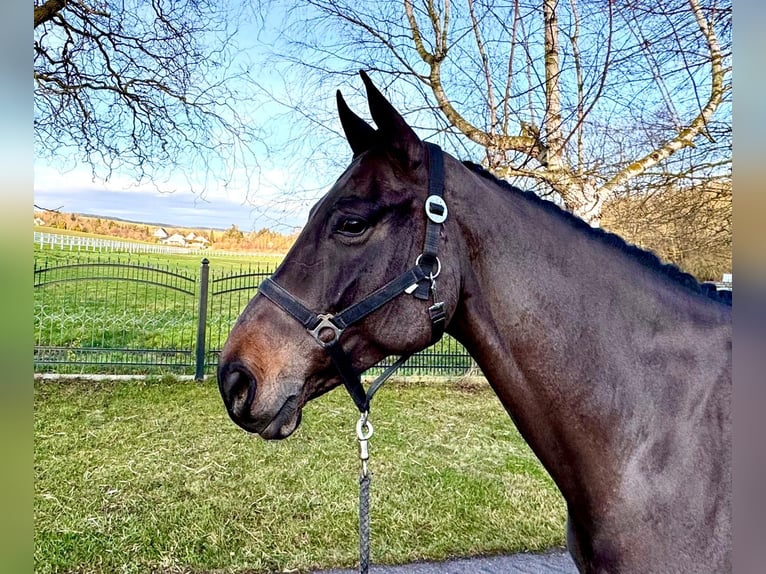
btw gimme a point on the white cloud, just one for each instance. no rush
(277, 196)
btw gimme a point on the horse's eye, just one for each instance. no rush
(352, 226)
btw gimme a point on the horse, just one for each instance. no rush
(614, 366)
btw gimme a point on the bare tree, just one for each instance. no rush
(151, 89)
(578, 99)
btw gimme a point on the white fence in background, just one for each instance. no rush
(83, 243)
(95, 244)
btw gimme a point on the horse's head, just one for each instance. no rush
(367, 230)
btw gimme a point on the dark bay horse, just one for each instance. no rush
(615, 368)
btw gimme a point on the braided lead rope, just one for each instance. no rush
(364, 523)
(363, 433)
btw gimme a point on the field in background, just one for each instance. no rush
(140, 313)
(186, 261)
(152, 476)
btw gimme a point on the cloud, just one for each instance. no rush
(179, 210)
(217, 207)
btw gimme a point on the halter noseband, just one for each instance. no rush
(418, 281)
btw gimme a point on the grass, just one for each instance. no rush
(186, 262)
(123, 309)
(116, 320)
(153, 476)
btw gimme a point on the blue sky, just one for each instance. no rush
(275, 193)
(172, 209)
(75, 192)
(299, 160)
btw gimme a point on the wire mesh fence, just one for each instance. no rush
(111, 317)
(106, 316)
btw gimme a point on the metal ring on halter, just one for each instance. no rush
(431, 276)
(363, 428)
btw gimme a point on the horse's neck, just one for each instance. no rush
(532, 383)
(554, 332)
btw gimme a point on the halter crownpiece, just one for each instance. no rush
(418, 281)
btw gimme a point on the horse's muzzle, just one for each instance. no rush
(237, 386)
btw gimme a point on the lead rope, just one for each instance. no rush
(363, 433)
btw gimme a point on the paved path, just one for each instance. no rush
(556, 562)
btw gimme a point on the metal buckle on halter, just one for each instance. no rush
(325, 322)
(436, 209)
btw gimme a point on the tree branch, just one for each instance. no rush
(48, 10)
(685, 137)
(485, 69)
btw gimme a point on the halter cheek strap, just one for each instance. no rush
(418, 281)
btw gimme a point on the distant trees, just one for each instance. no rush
(233, 233)
(690, 226)
(96, 225)
(264, 240)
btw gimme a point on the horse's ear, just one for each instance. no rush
(360, 135)
(393, 131)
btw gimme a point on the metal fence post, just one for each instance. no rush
(199, 371)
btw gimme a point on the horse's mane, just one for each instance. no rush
(643, 256)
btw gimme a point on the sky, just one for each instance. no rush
(75, 192)
(281, 195)
(170, 209)
(261, 202)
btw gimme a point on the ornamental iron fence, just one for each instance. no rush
(102, 316)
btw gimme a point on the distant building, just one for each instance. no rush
(191, 236)
(175, 239)
(39, 221)
(160, 233)
(200, 242)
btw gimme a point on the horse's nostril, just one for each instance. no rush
(237, 386)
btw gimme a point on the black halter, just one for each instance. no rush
(418, 281)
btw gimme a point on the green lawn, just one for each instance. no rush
(123, 319)
(184, 262)
(153, 477)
